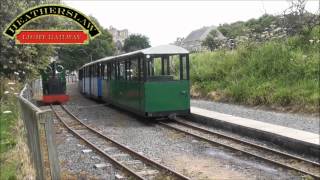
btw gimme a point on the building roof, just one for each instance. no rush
(201, 34)
(157, 50)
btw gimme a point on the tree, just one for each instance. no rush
(262, 23)
(297, 20)
(233, 30)
(74, 56)
(211, 41)
(135, 42)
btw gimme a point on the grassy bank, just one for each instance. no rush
(14, 162)
(282, 73)
(8, 121)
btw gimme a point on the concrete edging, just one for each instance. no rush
(283, 142)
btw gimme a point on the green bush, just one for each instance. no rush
(279, 72)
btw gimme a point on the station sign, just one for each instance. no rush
(14, 30)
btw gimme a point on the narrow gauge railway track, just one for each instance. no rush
(133, 163)
(273, 156)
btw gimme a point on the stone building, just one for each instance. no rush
(193, 42)
(118, 37)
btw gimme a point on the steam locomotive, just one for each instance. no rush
(54, 84)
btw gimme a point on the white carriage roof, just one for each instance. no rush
(157, 50)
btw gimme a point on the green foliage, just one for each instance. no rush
(290, 24)
(8, 171)
(7, 122)
(261, 24)
(233, 30)
(8, 136)
(250, 27)
(211, 40)
(136, 42)
(277, 72)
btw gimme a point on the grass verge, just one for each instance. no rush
(278, 73)
(14, 160)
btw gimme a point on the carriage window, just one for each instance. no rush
(105, 71)
(96, 70)
(92, 67)
(174, 67)
(88, 72)
(140, 68)
(80, 74)
(117, 70)
(184, 67)
(113, 72)
(121, 71)
(109, 70)
(174, 64)
(127, 73)
(134, 70)
(99, 70)
(157, 67)
(161, 69)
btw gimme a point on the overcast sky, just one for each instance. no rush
(164, 21)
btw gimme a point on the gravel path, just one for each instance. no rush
(306, 123)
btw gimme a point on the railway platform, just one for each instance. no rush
(288, 138)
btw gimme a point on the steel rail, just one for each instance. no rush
(127, 169)
(242, 151)
(150, 161)
(247, 143)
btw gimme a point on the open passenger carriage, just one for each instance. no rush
(152, 82)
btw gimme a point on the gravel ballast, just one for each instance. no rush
(296, 121)
(185, 154)
(78, 160)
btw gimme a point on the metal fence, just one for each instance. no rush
(40, 134)
(36, 89)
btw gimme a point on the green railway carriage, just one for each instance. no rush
(152, 82)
